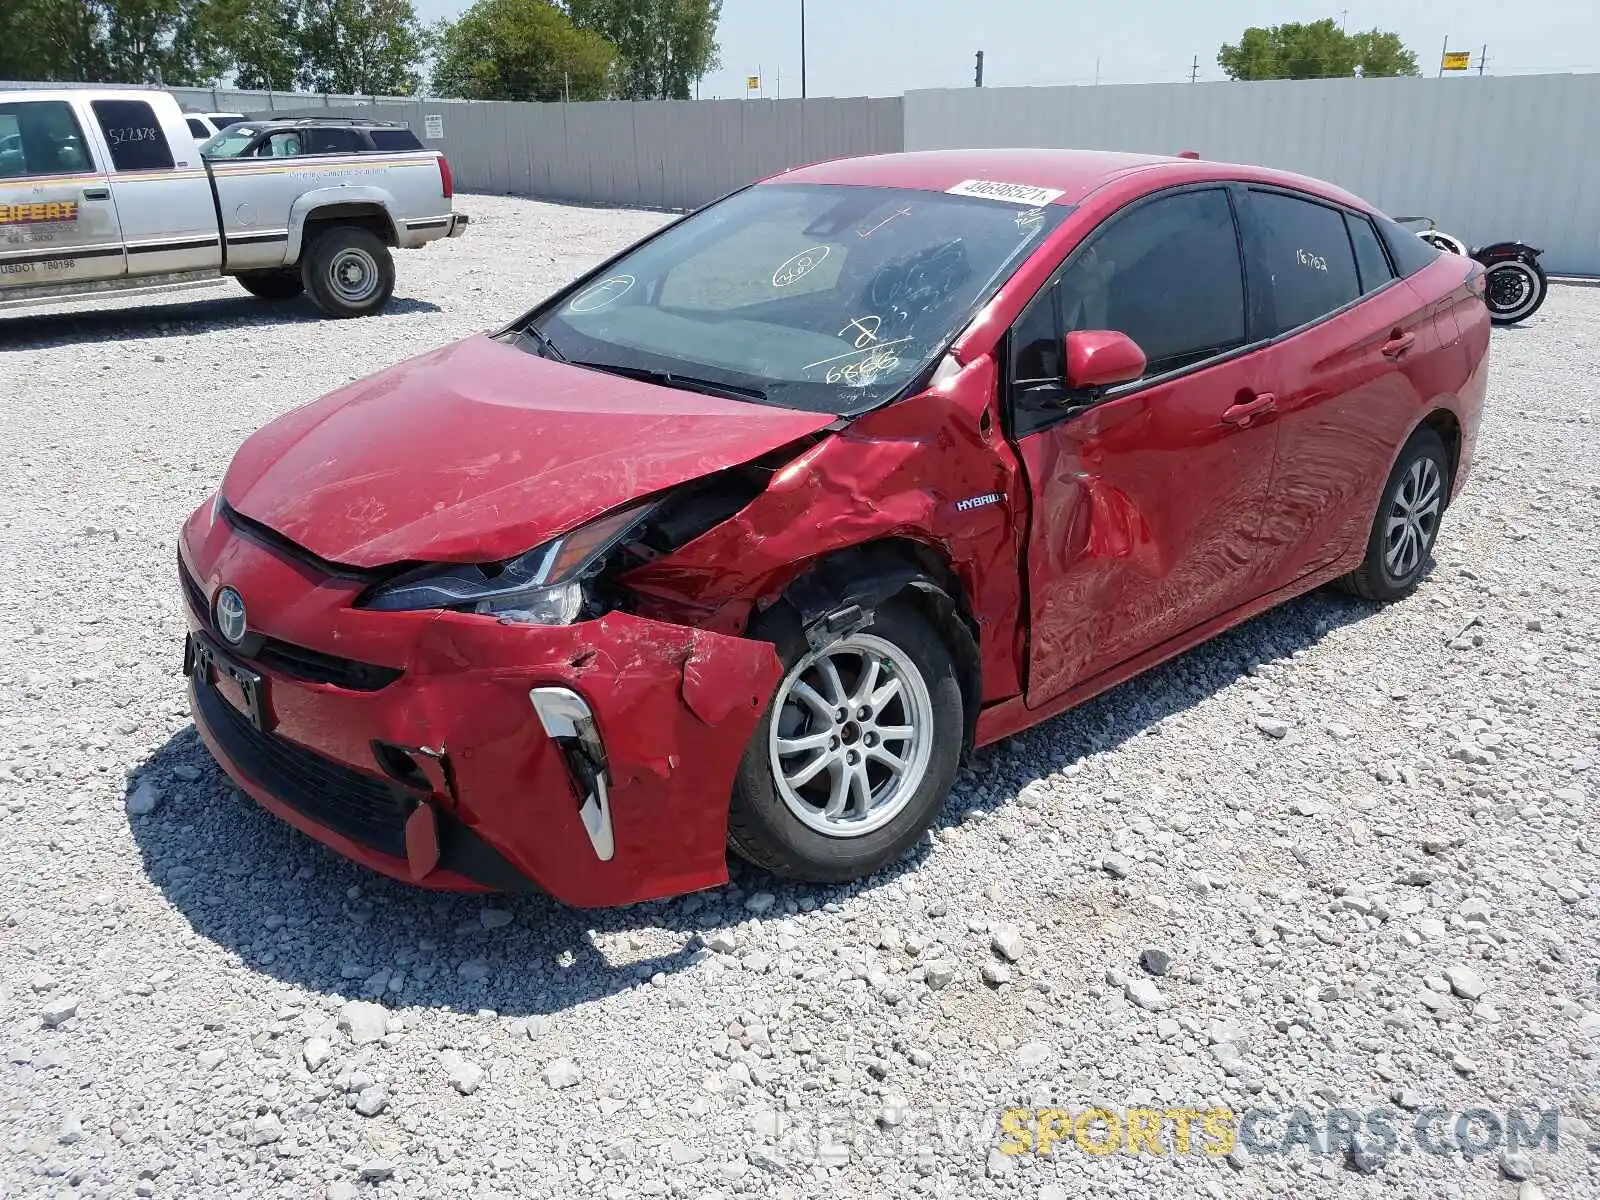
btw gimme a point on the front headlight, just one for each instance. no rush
(542, 587)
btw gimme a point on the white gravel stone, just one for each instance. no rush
(143, 800)
(363, 1022)
(562, 1073)
(316, 1051)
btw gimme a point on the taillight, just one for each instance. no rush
(445, 180)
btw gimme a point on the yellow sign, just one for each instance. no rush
(752, 83)
(1457, 60)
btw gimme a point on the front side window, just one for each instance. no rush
(1307, 257)
(133, 135)
(825, 298)
(230, 143)
(1168, 274)
(281, 145)
(41, 137)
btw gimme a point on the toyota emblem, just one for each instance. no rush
(228, 612)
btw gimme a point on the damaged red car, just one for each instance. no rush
(741, 540)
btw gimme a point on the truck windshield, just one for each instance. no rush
(824, 298)
(230, 143)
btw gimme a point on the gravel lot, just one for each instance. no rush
(1364, 837)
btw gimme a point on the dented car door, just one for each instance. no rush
(1147, 501)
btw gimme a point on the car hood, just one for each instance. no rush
(480, 451)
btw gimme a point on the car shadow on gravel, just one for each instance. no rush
(32, 331)
(292, 910)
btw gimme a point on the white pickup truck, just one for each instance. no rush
(105, 188)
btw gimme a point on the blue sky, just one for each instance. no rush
(885, 47)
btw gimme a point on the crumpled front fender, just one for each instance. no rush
(674, 706)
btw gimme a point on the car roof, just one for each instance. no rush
(312, 122)
(1073, 173)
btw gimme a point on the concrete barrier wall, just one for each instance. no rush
(664, 154)
(1491, 159)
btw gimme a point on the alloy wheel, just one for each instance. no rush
(851, 736)
(1413, 518)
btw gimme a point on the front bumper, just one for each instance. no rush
(432, 764)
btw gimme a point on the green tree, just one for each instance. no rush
(159, 41)
(262, 40)
(521, 50)
(364, 47)
(52, 40)
(663, 45)
(1382, 55)
(1317, 50)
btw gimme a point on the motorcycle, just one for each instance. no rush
(1515, 285)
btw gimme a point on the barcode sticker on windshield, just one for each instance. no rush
(1011, 193)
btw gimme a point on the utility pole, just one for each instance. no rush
(978, 80)
(802, 49)
(1194, 71)
(1483, 59)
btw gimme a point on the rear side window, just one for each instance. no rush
(1168, 274)
(1370, 258)
(41, 137)
(394, 139)
(1410, 253)
(334, 141)
(198, 128)
(1307, 257)
(133, 135)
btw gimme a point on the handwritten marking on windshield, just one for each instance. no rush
(852, 353)
(1030, 219)
(899, 212)
(797, 267)
(601, 295)
(866, 330)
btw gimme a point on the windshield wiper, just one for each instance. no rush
(546, 346)
(687, 383)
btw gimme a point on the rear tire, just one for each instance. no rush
(348, 271)
(271, 285)
(1514, 290)
(895, 683)
(1407, 523)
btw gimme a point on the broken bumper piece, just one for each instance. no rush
(593, 761)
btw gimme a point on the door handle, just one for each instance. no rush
(1399, 344)
(98, 193)
(1242, 413)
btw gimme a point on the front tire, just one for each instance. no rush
(1514, 290)
(271, 285)
(1407, 523)
(856, 753)
(348, 271)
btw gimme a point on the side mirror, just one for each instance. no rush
(1101, 358)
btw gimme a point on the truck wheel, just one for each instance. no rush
(856, 753)
(348, 272)
(271, 285)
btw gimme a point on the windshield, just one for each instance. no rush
(230, 143)
(824, 298)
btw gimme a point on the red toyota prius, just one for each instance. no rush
(741, 540)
